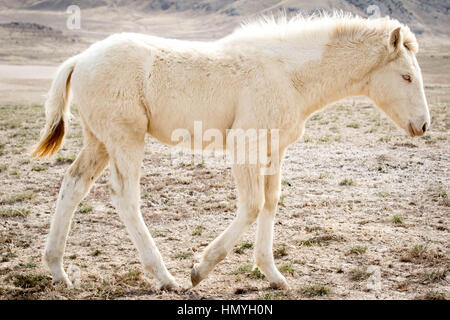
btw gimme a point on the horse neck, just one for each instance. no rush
(341, 72)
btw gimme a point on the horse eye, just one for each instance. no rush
(407, 77)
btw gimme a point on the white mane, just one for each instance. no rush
(308, 27)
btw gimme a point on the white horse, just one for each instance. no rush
(269, 74)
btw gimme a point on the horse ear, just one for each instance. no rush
(395, 40)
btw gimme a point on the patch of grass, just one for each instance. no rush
(18, 198)
(26, 281)
(354, 125)
(435, 295)
(244, 245)
(3, 167)
(280, 252)
(324, 175)
(443, 195)
(385, 138)
(256, 274)
(287, 268)
(14, 212)
(418, 250)
(197, 231)
(38, 167)
(306, 243)
(405, 144)
(321, 240)
(14, 172)
(73, 257)
(347, 182)
(358, 249)
(286, 183)
(382, 194)
(245, 268)
(316, 290)
(433, 276)
(158, 234)
(84, 207)
(397, 219)
(7, 256)
(182, 255)
(325, 138)
(358, 274)
(275, 295)
(96, 253)
(422, 254)
(62, 159)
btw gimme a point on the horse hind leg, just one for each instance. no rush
(77, 181)
(126, 158)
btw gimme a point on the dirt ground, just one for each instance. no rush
(364, 212)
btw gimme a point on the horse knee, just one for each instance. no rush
(271, 200)
(252, 211)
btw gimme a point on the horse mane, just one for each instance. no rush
(345, 26)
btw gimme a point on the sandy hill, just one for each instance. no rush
(426, 17)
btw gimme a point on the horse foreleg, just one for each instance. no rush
(250, 186)
(264, 234)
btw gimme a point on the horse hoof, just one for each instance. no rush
(195, 277)
(63, 281)
(279, 285)
(171, 286)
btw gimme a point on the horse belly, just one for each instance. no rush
(169, 121)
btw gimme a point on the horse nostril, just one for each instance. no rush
(424, 127)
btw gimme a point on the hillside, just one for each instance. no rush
(428, 18)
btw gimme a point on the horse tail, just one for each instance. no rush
(57, 111)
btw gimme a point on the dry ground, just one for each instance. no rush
(361, 201)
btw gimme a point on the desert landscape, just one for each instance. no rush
(364, 212)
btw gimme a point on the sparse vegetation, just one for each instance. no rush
(287, 268)
(63, 159)
(354, 125)
(358, 249)
(243, 246)
(182, 255)
(347, 182)
(14, 212)
(397, 219)
(434, 276)
(418, 250)
(18, 198)
(256, 274)
(275, 295)
(435, 295)
(280, 252)
(315, 290)
(359, 274)
(26, 281)
(198, 231)
(84, 207)
(245, 268)
(38, 167)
